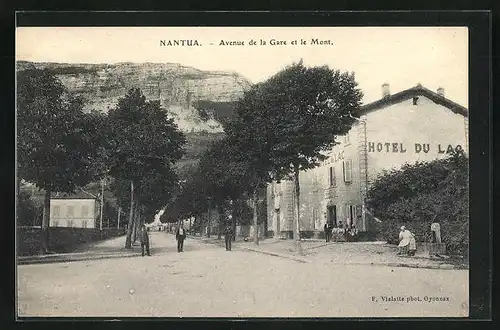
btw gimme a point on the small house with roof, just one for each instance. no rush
(79, 210)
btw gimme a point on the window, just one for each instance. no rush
(346, 138)
(85, 211)
(332, 176)
(70, 223)
(71, 211)
(347, 167)
(84, 224)
(56, 211)
(55, 223)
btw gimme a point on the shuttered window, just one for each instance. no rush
(347, 167)
(333, 180)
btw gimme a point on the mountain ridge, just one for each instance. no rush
(190, 95)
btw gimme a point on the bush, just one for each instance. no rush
(422, 193)
(29, 213)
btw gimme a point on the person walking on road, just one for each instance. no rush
(228, 237)
(328, 232)
(180, 235)
(144, 238)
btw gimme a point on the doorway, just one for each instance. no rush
(332, 215)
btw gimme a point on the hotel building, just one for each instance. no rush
(416, 124)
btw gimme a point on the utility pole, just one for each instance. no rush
(102, 203)
(119, 213)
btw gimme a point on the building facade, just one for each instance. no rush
(74, 212)
(416, 124)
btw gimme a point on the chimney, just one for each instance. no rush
(440, 91)
(385, 90)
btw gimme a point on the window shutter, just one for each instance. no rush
(343, 170)
(332, 176)
(348, 170)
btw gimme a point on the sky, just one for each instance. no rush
(400, 56)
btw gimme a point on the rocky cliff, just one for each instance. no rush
(196, 99)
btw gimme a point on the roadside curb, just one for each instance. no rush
(71, 258)
(302, 260)
(401, 265)
(214, 242)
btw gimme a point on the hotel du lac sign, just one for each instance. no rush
(398, 147)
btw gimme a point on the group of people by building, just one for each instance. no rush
(407, 243)
(350, 233)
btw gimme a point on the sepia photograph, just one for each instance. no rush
(242, 172)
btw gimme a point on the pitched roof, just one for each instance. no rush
(418, 90)
(76, 195)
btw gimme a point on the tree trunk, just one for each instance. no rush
(221, 221)
(136, 222)
(209, 218)
(46, 222)
(234, 215)
(255, 216)
(128, 241)
(297, 209)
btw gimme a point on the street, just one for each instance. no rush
(207, 281)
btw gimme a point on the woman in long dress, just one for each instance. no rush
(407, 244)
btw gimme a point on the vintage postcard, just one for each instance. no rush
(242, 172)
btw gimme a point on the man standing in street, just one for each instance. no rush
(327, 232)
(228, 237)
(144, 238)
(180, 235)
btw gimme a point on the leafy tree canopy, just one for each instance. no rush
(307, 108)
(141, 137)
(56, 145)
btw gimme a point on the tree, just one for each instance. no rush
(27, 209)
(419, 194)
(311, 106)
(155, 190)
(143, 145)
(225, 176)
(56, 147)
(251, 135)
(290, 120)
